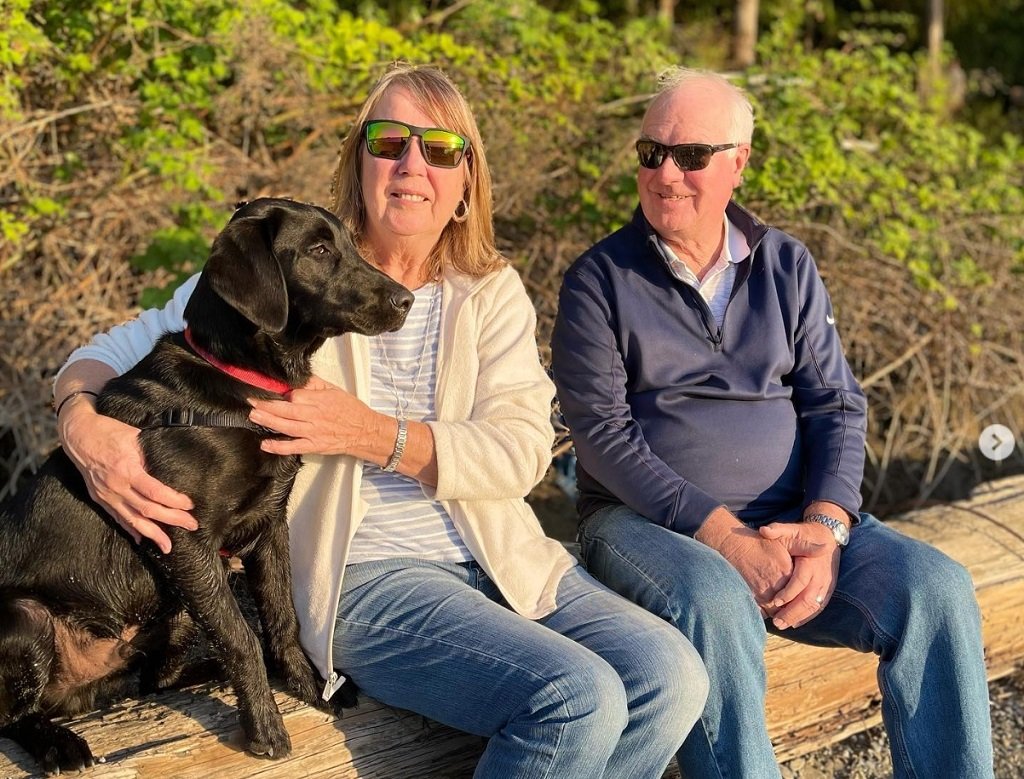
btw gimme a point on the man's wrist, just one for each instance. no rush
(830, 509)
(839, 529)
(717, 528)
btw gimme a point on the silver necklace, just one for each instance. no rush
(402, 404)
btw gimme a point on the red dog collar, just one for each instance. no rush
(255, 378)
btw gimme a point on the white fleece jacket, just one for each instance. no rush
(493, 440)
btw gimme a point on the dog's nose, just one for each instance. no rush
(402, 300)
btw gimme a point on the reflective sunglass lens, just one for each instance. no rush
(389, 148)
(387, 139)
(692, 157)
(442, 148)
(651, 154)
(686, 156)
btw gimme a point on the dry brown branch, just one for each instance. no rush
(613, 106)
(889, 367)
(435, 19)
(51, 117)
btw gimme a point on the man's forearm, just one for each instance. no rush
(719, 525)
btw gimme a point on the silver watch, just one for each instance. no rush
(839, 530)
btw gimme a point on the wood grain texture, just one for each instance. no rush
(815, 697)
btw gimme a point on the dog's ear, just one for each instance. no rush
(243, 270)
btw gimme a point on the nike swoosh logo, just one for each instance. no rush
(830, 319)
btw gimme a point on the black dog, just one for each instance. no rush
(82, 607)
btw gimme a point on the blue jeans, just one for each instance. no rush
(598, 688)
(904, 600)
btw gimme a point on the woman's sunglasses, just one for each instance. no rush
(389, 139)
(686, 156)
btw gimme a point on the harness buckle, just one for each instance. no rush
(178, 417)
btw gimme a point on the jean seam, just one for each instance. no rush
(896, 737)
(675, 616)
(712, 747)
(897, 740)
(668, 608)
(875, 627)
(471, 650)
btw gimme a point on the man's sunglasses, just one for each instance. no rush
(686, 156)
(389, 139)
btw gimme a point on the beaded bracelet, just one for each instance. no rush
(396, 455)
(71, 395)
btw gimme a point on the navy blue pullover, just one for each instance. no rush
(673, 416)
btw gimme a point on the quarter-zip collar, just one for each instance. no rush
(751, 232)
(752, 228)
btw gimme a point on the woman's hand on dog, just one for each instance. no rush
(108, 455)
(322, 418)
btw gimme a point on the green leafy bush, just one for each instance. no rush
(131, 126)
(844, 140)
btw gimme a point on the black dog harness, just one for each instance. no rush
(186, 417)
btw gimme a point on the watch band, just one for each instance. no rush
(396, 455)
(839, 531)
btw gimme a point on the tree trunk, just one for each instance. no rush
(667, 13)
(744, 38)
(936, 34)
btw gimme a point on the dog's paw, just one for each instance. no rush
(54, 747)
(300, 679)
(346, 697)
(268, 739)
(64, 752)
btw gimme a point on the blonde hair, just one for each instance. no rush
(466, 246)
(741, 120)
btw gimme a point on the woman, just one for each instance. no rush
(417, 565)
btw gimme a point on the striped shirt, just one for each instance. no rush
(716, 286)
(401, 520)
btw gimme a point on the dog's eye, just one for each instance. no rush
(321, 249)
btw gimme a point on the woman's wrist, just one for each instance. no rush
(371, 438)
(70, 398)
(401, 436)
(383, 439)
(73, 408)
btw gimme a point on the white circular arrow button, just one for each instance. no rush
(996, 442)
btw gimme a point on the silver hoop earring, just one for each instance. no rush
(461, 212)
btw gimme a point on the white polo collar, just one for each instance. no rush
(734, 249)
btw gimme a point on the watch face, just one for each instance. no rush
(841, 533)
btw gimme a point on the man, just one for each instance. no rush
(720, 441)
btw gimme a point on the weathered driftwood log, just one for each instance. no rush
(816, 696)
(811, 703)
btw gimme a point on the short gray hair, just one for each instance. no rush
(742, 124)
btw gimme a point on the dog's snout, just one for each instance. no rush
(402, 300)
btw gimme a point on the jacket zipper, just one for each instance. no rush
(716, 334)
